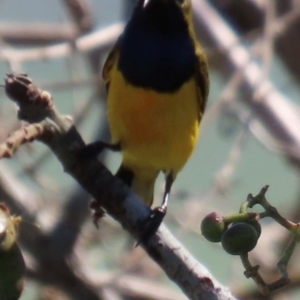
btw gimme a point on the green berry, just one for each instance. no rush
(239, 238)
(256, 226)
(213, 227)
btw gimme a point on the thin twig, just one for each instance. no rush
(27, 134)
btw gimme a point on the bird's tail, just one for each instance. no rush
(142, 183)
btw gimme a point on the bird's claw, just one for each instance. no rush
(151, 224)
(98, 212)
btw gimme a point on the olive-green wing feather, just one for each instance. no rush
(202, 78)
(201, 68)
(109, 63)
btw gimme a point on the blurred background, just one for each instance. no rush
(250, 138)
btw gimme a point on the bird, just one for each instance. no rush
(157, 82)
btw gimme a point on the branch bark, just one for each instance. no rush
(117, 199)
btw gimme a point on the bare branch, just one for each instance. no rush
(113, 195)
(100, 39)
(81, 13)
(26, 134)
(37, 33)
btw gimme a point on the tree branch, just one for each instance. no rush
(116, 198)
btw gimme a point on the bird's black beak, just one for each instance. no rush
(145, 3)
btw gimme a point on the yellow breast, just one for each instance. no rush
(156, 130)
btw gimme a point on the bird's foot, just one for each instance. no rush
(151, 224)
(98, 212)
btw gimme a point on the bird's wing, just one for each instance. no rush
(202, 79)
(201, 70)
(109, 63)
